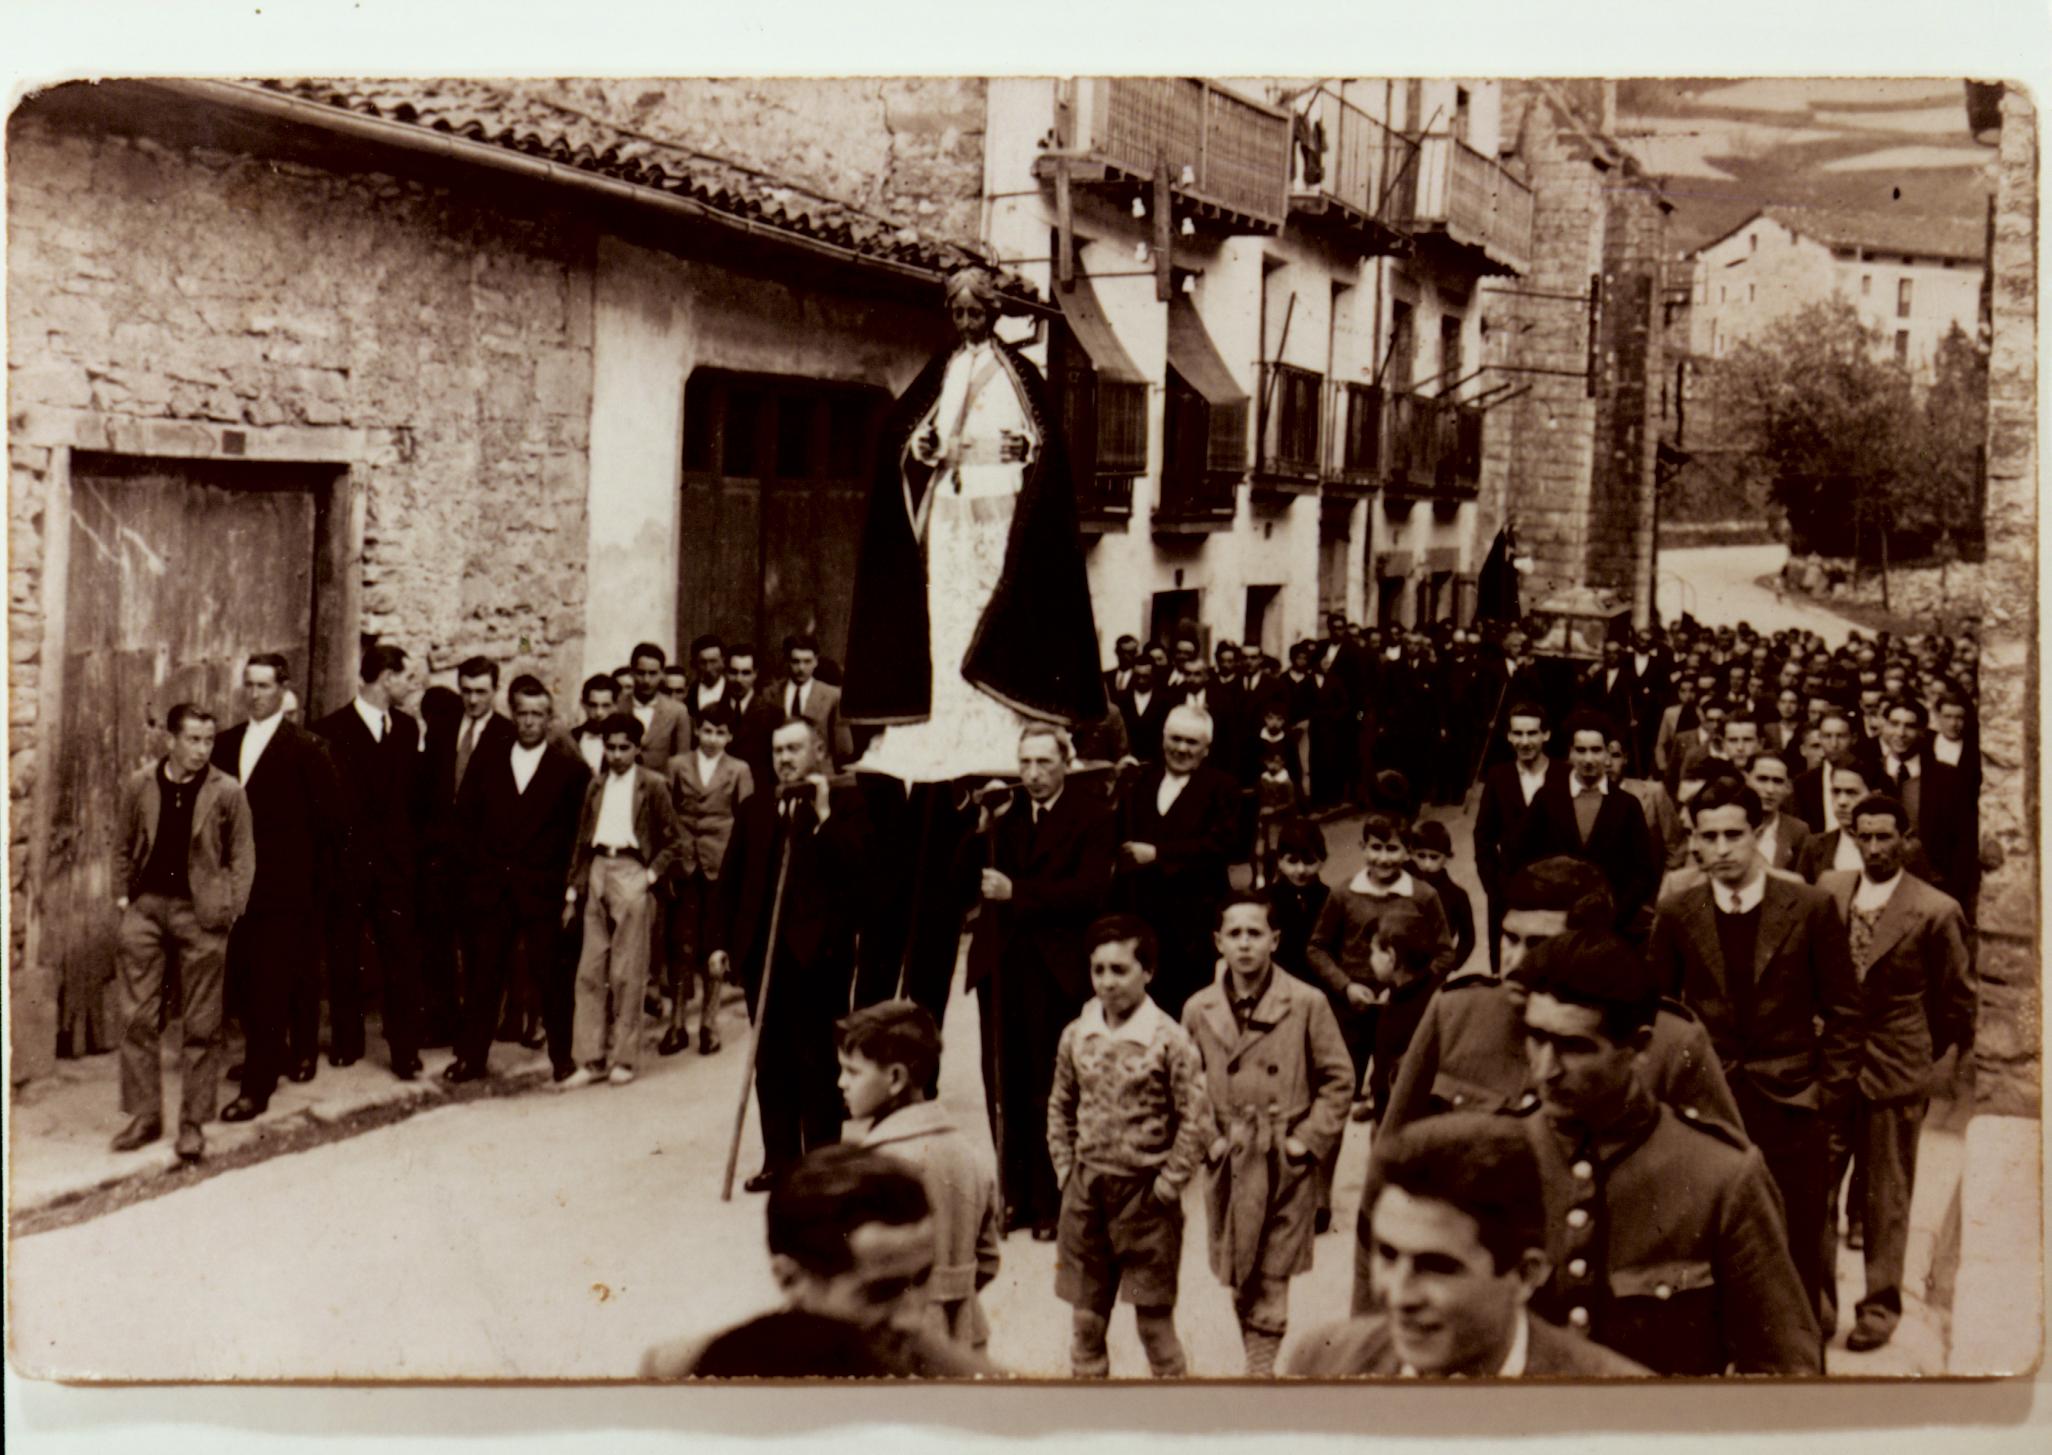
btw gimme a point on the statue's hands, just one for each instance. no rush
(926, 446)
(1013, 448)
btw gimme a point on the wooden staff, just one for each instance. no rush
(997, 1044)
(769, 961)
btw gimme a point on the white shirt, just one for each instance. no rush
(616, 813)
(706, 768)
(1036, 810)
(255, 738)
(1895, 765)
(1140, 701)
(1830, 813)
(1137, 1027)
(707, 696)
(1401, 886)
(1871, 896)
(1770, 838)
(644, 712)
(1529, 783)
(1743, 900)
(593, 747)
(525, 761)
(1577, 787)
(1948, 751)
(794, 700)
(1639, 664)
(1171, 789)
(373, 718)
(1848, 855)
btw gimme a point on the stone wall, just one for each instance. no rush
(908, 147)
(153, 283)
(1622, 494)
(2008, 1077)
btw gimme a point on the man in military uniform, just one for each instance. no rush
(1468, 1052)
(1664, 1232)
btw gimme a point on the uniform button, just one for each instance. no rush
(1583, 1171)
(1578, 1268)
(1579, 1317)
(1578, 1217)
(1663, 1290)
(1689, 1112)
(1459, 1099)
(1531, 1099)
(1275, 1071)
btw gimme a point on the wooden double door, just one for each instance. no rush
(177, 572)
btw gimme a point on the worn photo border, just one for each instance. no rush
(46, 40)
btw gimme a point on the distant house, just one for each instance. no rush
(1912, 278)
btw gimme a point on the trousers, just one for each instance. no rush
(379, 914)
(273, 963)
(1791, 1141)
(617, 930)
(1883, 1137)
(156, 930)
(797, 1086)
(496, 940)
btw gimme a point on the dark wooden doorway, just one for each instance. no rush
(776, 476)
(178, 571)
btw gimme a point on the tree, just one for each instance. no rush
(1864, 462)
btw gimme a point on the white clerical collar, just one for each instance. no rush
(1137, 1027)
(1401, 886)
(1746, 898)
(1871, 896)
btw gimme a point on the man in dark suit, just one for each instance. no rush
(273, 956)
(1507, 793)
(803, 694)
(1457, 1220)
(1178, 829)
(1117, 679)
(1811, 798)
(811, 967)
(481, 729)
(1145, 707)
(1762, 961)
(1043, 871)
(1783, 836)
(708, 678)
(1608, 688)
(1949, 820)
(375, 748)
(664, 730)
(755, 714)
(1915, 1023)
(517, 818)
(1578, 814)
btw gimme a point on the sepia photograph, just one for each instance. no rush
(1023, 727)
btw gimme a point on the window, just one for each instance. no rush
(1103, 404)
(1902, 298)
(1460, 116)
(1866, 285)
(1403, 347)
(1902, 346)
(1450, 359)
(1751, 294)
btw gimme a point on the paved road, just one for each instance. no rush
(553, 1236)
(1718, 584)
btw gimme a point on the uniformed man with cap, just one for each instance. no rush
(1664, 1232)
(1468, 1052)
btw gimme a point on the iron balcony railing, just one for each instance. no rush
(1220, 147)
(1291, 401)
(1431, 446)
(1362, 163)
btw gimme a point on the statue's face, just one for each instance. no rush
(971, 319)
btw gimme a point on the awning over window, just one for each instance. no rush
(1086, 320)
(1192, 354)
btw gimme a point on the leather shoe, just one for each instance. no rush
(462, 1070)
(138, 1133)
(191, 1146)
(762, 1181)
(674, 1040)
(407, 1069)
(534, 1037)
(708, 1041)
(244, 1108)
(1872, 1331)
(302, 1072)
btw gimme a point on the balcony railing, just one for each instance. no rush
(1432, 446)
(1355, 459)
(1474, 201)
(1290, 403)
(1221, 148)
(1363, 165)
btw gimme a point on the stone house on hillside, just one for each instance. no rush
(294, 366)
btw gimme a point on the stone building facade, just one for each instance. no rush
(297, 367)
(1582, 439)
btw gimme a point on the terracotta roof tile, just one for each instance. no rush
(1888, 232)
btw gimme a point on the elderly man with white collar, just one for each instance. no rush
(1178, 826)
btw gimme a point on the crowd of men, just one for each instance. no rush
(1730, 879)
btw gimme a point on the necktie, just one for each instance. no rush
(464, 747)
(384, 726)
(1587, 802)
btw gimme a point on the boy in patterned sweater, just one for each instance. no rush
(1126, 1125)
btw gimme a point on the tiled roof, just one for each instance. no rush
(506, 116)
(1887, 232)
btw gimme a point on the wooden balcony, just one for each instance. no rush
(1474, 203)
(1228, 157)
(1362, 178)
(1354, 459)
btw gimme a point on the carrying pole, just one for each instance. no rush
(769, 961)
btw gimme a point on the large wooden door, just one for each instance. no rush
(775, 483)
(179, 571)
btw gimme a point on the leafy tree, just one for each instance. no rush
(1851, 445)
